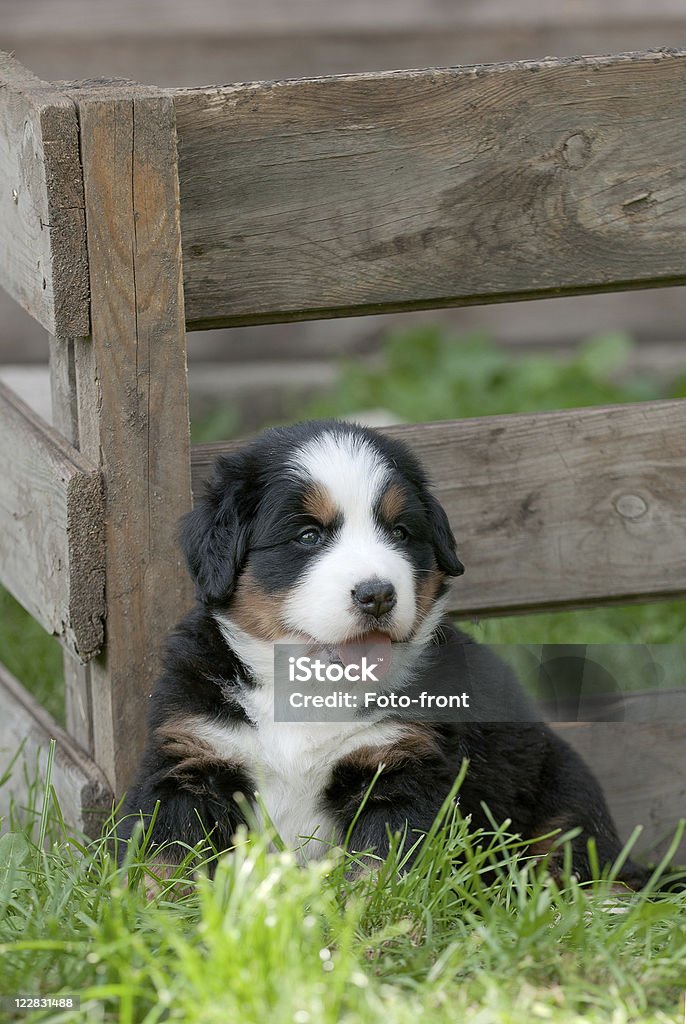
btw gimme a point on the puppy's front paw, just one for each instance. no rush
(159, 879)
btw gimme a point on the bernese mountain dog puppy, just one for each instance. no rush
(327, 533)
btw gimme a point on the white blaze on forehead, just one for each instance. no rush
(354, 475)
(351, 470)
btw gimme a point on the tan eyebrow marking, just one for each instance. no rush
(319, 504)
(392, 503)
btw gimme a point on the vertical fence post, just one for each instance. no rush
(131, 406)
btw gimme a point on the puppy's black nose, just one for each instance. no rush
(375, 597)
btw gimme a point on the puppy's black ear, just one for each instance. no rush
(214, 536)
(443, 539)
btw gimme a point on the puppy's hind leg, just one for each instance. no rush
(573, 799)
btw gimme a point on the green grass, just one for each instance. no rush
(429, 374)
(32, 655)
(662, 622)
(269, 940)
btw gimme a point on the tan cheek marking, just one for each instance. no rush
(392, 503)
(416, 743)
(319, 504)
(426, 593)
(255, 611)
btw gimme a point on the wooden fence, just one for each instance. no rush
(129, 214)
(236, 41)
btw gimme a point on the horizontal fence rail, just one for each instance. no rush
(557, 509)
(638, 766)
(82, 791)
(51, 528)
(417, 189)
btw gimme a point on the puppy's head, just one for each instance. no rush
(324, 531)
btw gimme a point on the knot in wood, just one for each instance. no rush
(631, 506)
(576, 150)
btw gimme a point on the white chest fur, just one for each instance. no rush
(291, 764)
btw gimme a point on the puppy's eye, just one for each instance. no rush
(400, 533)
(310, 537)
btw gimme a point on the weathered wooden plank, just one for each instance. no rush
(132, 402)
(624, 707)
(369, 193)
(78, 677)
(559, 509)
(82, 791)
(640, 767)
(42, 227)
(51, 555)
